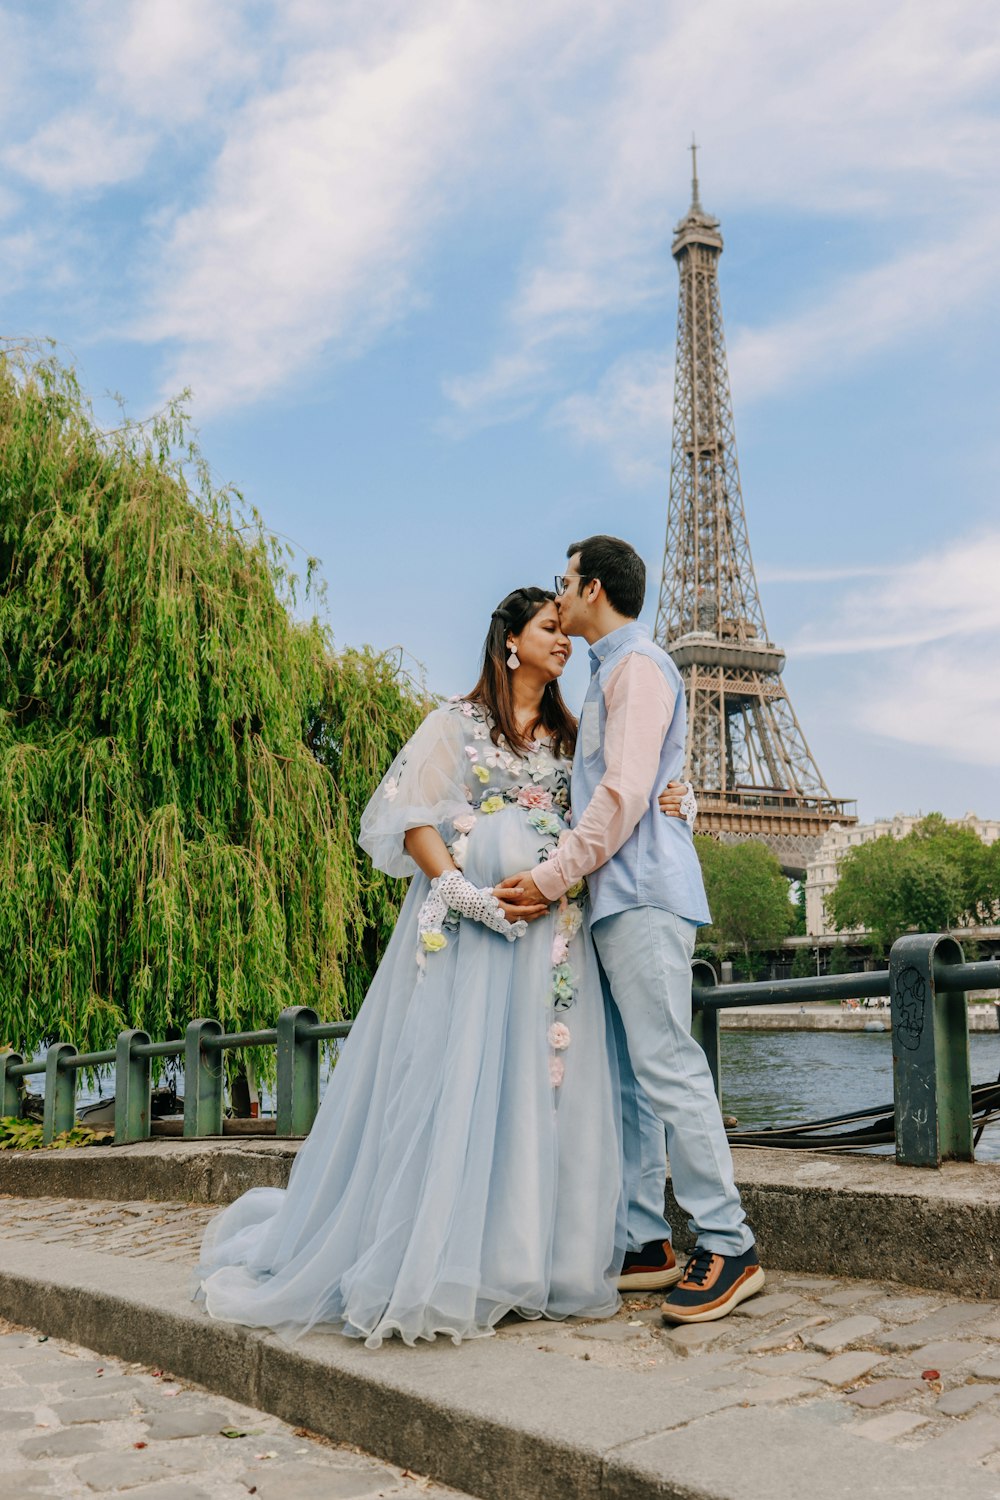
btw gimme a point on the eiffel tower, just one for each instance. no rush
(747, 757)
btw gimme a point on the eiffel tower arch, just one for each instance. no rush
(747, 756)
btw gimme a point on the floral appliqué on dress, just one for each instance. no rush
(538, 783)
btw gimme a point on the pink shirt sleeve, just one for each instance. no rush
(640, 705)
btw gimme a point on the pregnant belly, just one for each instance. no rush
(501, 844)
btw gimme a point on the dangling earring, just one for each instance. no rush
(513, 660)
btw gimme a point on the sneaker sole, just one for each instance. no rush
(650, 1281)
(748, 1288)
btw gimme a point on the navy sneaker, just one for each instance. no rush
(712, 1285)
(650, 1269)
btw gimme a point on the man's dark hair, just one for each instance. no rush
(618, 566)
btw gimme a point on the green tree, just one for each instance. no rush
(962, 849)
(991, 862)
(891, 886)
(803, 964)
(797, 896)
(181, 761)
(840, 962)
(370, 710)
(747, 896)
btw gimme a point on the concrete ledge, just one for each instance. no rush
(162, 1170)
(865, 1216)
(497, 1418)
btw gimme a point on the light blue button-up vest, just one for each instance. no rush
(657, 865)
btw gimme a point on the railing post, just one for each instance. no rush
(705, 1019)
(11, 1088)
(298, 1071)
(932, 1084)
(203, 1079)
(132, 1088)
(59, 1113)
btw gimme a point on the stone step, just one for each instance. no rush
(533, 1414)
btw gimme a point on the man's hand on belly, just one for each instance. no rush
(522, 896)
(518, 913)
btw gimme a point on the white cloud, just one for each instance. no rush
(927, 639)
(952, 593)
(516, 376)
(326, 146)
(630, 410)
(629, 413)
(943, 700)
(886, 111)
(326, 192)
(875, 309)
(80, 150)
(766, 573)
(122, 75)
(20, 253)
(165, 60)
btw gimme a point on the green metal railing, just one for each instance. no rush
(925, 984)
(297, 1036)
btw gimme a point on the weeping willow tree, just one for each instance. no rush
(182, 762)
(370, 709)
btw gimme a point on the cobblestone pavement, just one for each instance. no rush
(893, 1364)
(162, 1231)
(75, 1425)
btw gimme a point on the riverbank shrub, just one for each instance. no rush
(26, 1135)
(182, 760)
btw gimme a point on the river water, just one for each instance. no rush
(779, 1077)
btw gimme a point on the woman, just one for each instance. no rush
(465, 1161)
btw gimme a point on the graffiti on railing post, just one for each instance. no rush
(911, 1006)
(932, 1083)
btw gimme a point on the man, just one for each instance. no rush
(647, 901)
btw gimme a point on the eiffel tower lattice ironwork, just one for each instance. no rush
(747, 756)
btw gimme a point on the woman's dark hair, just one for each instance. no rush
(493, 690)
(619, 568)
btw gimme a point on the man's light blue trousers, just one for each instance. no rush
(666, 1083)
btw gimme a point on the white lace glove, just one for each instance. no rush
(689, 805)
(452, 892)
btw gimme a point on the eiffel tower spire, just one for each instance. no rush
(695, 197)
(747, 756)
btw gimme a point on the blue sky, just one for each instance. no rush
(413, 258)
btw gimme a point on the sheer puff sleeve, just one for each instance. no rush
(425, 785)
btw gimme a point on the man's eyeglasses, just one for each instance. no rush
(564, 580)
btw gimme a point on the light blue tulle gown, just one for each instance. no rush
(466, 1160)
